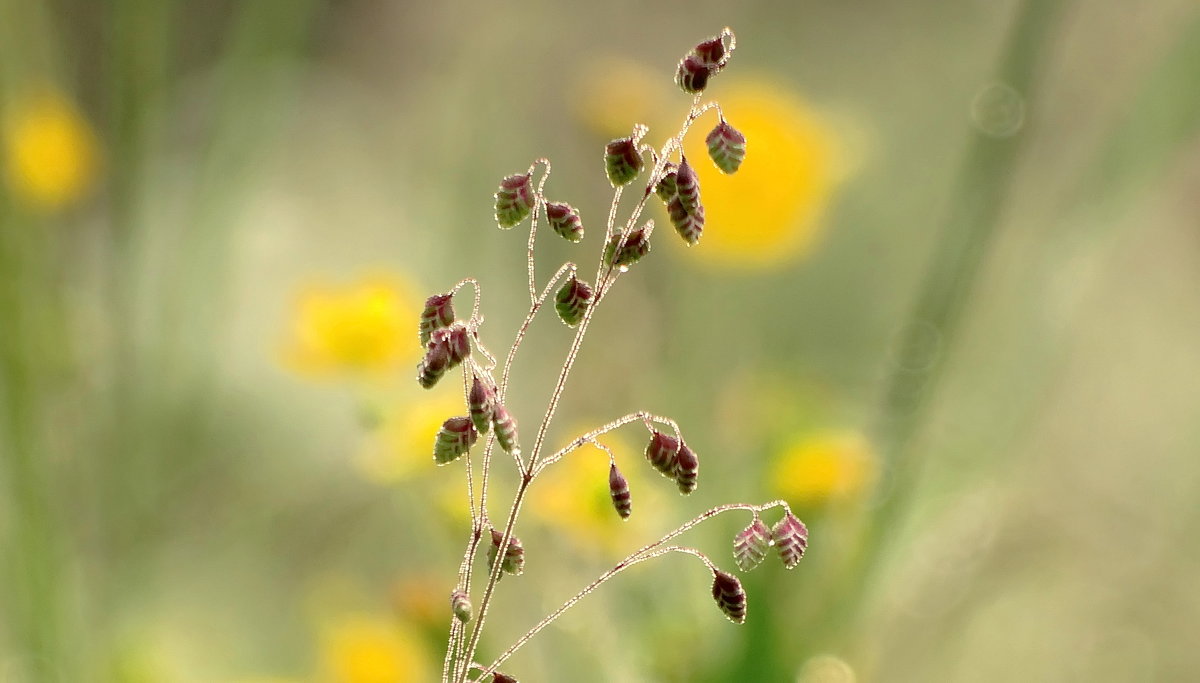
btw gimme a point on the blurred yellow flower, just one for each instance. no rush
(825, 468)
(49, 151)
(366, 328)
(770, 210)
(364, 648)
(615, 93)
(403, 444)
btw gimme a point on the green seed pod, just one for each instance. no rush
(661, 452)
(726, 147)
(636, 246)
(506, 429)
(514, 200)
(572, 300)
(730, 596)
(460, 604)
(455, 438)
(687, 186)
(618, 488)
(481, 404)
(622, 161)
(666, 186)
(565, 221)
(438, 313)
(689, 224)
(791, 539)
(514, 558)
(751, 544)
(687, 469)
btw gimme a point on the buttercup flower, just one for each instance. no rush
(363, 648)
(826, 468)
(365, 328)
(49, 151)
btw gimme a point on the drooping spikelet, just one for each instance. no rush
(513, 561)
(791, 539)
(514, 200)
(661, 453)
(481, 403)
(689, 224)
(433, 365)
(687, 469)
(730, 597)
(635, 247)
(460, 604)
(572, 300)
(438, 313)
(506, 429)
(726, 147)
(565, 221)
(750, 545)
(665, 189)
(622, 161)
(618, 488)
(455, 438)
(687, 186)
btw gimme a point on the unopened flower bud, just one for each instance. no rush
(455, 438)
(622, 161)
(730, 596)
(687, 469)
(513, 561)
(460, 604)
(514, 200)
(791, 539)
(751, 544)
(565, 221)
(572, 300)
(618, 488)
(481, 404)
(661, 453)
(506, 429)
(726, 147)
(438, 313)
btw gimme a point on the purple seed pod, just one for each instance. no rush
(498, 677)
(572, 300)
(687, 469)
(622, 161)
(514, 200)
(565, 221)
(661, 452)
(455, 438)
(750, 545)
(711, 52)
(692, 75)
(635, 247)
(514, 558)
(506, 429)
(481, 403)
(433, 365)
(618, 488)
(460, 604)
(456, 341)
(730, 597)
(791, 539)
(687, 186)
(726, 147)
(666, 186)
(689, 224)
(438, 313)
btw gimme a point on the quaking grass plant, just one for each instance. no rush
(452, 342)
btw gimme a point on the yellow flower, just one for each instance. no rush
(770, 210)
(615, 93)
(366, 328)
(403, 444)
(49, 151)
(364, 648)
(826, 468)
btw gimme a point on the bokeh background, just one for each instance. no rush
(947, 309)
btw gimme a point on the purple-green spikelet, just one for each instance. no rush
(687, 186)
(692, 75)
(460, 604)
(636, 246)
(726, 147)
(455, 438)
(498, 677)
(730, 596)
(433, 365)
(750, 545)
(687, 469)
(506, 429)
(572, 300)
(456, 341)
(689, 224)
(618, 488)
(514, 200)
(513, 561)
(661, 453)
(711, 52)
(665, 189)
(565, 221)
(438, 313)
(622, 162)
(481, 404)
(791, 539)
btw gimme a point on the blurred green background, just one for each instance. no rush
(947, 309)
